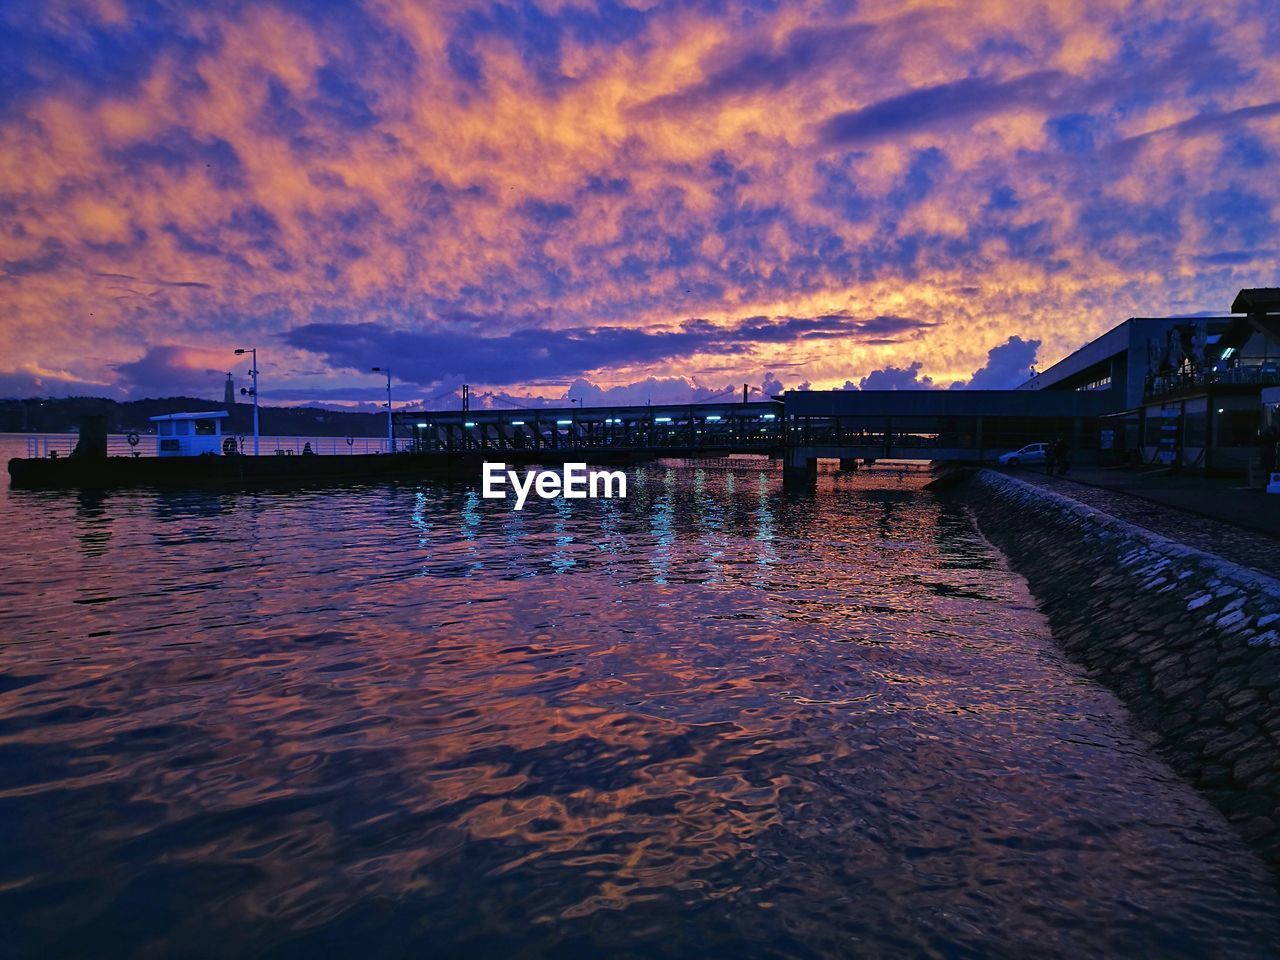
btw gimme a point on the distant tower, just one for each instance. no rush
(229, 392)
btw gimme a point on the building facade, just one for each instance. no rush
(1183, 391)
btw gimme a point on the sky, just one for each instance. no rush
(625, 201)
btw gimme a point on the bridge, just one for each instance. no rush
(652, 431)
(799, 428)
(971, 425)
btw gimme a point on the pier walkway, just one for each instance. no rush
(799, 428)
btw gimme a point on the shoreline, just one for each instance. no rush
(1188, 640)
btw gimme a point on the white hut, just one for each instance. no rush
(189, 434)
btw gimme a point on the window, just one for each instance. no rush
(1161, 424)
(205, 428)
(1102, 383)
(1237, 428)
(1195, 428)
(166, 428)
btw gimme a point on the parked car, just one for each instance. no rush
(1031, 453)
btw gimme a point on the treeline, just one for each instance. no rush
(62, 415)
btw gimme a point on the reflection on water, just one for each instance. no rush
(713, 719)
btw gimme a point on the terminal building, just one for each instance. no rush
(1193, 393)
(1182, 391)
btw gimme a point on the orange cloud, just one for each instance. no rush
(1005, 169)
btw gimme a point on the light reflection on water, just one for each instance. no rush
(714, 719)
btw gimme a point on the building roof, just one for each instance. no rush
(212, 415)
(1257, 300)
(947, 403)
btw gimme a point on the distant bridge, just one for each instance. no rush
(799, 428)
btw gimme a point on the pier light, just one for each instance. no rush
(517, 423)
(422, 426)
(391, 436)
(252, 351)
(469, 423)
(769, 416)
(714, 418)
(661, 419)
(564, 423)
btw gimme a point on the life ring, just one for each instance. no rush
(229, 446)
(350, 440)
(132, 438)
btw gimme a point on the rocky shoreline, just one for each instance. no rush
(1189, 641)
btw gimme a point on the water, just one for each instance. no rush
(712, 720)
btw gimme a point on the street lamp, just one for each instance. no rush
(391, 437)
(254, 374)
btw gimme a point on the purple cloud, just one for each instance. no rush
(526, 355)
(945, 102)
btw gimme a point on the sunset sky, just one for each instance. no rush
(623, 200)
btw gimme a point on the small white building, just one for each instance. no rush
(189, 434)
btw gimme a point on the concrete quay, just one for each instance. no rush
(1188, 639)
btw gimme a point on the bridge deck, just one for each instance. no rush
(801, 426)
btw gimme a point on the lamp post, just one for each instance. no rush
(391, 437)
(254, 374)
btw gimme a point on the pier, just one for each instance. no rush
(799, 427)
(796, 429)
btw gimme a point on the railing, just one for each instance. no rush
(726, 463)
(321, 446)
(1250, 375)
(593, 436)
(822, 432)
(43, 446)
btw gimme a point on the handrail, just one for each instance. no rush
(41, 446)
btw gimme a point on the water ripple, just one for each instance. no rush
(714, 719)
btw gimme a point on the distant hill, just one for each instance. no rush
(62, 414)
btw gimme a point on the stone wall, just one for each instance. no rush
(1189, 641)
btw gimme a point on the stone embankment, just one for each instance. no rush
(1189, 641)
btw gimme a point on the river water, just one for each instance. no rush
(711, 720)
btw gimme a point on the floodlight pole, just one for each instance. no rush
(253, 351)
(391, 437)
